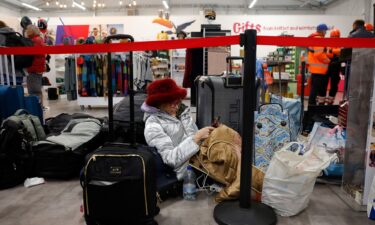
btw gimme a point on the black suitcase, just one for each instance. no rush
(119, 180)
(119, 186)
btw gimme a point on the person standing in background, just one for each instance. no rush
(359, 30)
(34, 79)
(333, 69)
(20, 73)
(318, 66)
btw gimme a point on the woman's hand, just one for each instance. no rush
(202, 134)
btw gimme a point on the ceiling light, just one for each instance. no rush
(120, 2)
(94, 1)
(82, 3)
(47, 3)
(31, 7)
(57, 3)
(130, 5)
(103, 4)
(79, 6)
(134, 2)
(73, 5)
(165, 3)
(99, 5)
(252, 3)
(61, 6)
(94, 6)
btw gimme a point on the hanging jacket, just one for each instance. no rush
(317, 58)
(172, 137)
(39, 62)
(219, 156)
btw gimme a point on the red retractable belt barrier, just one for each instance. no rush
(190, 43)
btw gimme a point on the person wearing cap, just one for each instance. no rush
(169, 126)
(359, 30)
(34, 79)
(318, 62)
(369, 27)
(334, 68)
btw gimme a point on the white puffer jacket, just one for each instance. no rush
(172, 137)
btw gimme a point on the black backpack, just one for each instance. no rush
(15, 39)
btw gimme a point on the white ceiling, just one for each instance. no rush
(114, 4)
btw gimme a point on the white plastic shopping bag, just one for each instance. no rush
(291, 177)
(371, 202)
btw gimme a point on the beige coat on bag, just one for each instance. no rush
(220, 157)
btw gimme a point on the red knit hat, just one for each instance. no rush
(164, 91)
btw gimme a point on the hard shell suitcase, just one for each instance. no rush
(119, 186)
(33, 106)
(272, 132)
(11, 99)
(221, 97)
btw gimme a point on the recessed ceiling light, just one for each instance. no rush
(165, 3)
(31, 7)
(252, 4)
(57, 3)
(47, 3)
(134, 2)
(82, 3)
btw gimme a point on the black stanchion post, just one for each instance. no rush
(246, 212)
(248, 40)
(303, 80)
(110, 99)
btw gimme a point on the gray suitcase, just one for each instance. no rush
(219, 97)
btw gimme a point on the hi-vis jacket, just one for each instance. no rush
(318, 59)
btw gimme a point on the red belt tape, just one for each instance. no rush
(190, 43)
(124, 47)
(323, 42)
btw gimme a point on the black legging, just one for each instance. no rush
(319, 83)
(334, 74)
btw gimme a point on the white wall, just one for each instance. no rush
(9, 16)
(142, 28)
(348, 7)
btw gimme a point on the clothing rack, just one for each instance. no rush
(96, 76)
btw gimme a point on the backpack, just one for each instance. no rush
(15, 39)
(17, 135)
(61, 155)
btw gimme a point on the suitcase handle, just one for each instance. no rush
(119, 36)
(260, 107)
(21, 111)
(231, 58)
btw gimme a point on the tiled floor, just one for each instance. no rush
(58, 202)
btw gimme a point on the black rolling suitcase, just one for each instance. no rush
(119, 183)
(119, 180)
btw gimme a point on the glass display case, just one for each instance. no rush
(359, 165)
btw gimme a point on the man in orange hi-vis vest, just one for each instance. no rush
(318, 62)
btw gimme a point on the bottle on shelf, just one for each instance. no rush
(189, 189)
